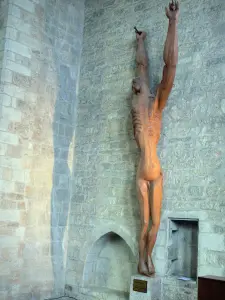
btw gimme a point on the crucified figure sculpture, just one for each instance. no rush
(147, 116)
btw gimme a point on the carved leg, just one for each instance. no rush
(142, 189)
(155, 209)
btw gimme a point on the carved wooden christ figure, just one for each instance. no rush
(147, 115)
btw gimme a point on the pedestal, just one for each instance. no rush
(145, 288)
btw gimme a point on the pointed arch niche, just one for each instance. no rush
(109, 264)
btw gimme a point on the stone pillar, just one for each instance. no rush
(40, 50)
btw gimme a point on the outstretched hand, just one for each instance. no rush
(172, 12)
(141, 36)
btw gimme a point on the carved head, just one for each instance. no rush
(136, 85)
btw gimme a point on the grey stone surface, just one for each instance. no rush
(4, 5)
(63, 298)
(191, 146)
(40, 50)
(176, 289)
(40, 46)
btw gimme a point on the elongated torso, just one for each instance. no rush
(147, 126)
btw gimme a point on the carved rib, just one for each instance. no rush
(137, 123)
(153, 126)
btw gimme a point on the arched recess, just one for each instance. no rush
(110, 263)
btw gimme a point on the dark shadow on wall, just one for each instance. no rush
(134, 153)
(63, 131)
(133, 149)
(61, 175)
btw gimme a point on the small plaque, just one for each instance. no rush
(140, 286)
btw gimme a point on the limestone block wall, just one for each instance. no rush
(41, 49)
(191, 148)
(3, 21)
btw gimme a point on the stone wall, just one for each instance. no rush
(39, 64)
(3, 21)
(41, 47)
(192, 141)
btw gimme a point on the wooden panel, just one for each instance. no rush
(211, 288)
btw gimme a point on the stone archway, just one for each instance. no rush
(109, 264)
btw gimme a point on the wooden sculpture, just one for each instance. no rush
(147, 116)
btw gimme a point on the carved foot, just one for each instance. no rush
(151, 268)
(142, 268)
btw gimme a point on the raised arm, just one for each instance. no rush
(170, 54)
(141, 56)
